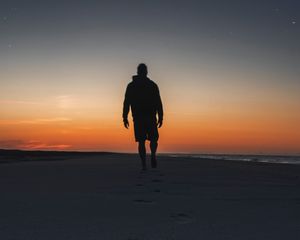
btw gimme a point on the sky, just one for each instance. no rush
(228, 74)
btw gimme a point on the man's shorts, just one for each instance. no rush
(145, 129)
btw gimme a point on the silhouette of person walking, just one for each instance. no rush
(142, 96)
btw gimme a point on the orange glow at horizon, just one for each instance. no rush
(205, 116)
(194, 134)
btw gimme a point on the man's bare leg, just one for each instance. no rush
(153, 147)
(142, 152)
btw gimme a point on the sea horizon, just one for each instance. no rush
(265, 158)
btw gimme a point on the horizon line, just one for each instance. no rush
(162, 153)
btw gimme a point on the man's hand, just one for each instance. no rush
(159, 123)
(126, 123)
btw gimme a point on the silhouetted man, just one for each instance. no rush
(142, 96)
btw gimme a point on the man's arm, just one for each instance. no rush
(126, 106)
(160, 111)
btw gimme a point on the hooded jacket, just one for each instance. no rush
(142, 96)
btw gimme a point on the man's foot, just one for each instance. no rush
(153, 161)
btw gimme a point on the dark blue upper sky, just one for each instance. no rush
(261, 30)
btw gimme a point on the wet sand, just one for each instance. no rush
(104, 196)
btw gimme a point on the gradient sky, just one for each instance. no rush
(228, 73)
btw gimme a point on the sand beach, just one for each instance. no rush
(105, 196)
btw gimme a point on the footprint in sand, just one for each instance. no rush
(157, 174)
(157, 180)
(181, 218)
(143, 201)
(139, 185)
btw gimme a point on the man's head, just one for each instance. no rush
(142, 70)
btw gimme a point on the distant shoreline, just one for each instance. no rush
(183, 154)
(17, 155)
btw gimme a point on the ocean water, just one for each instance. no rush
(246, 158)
